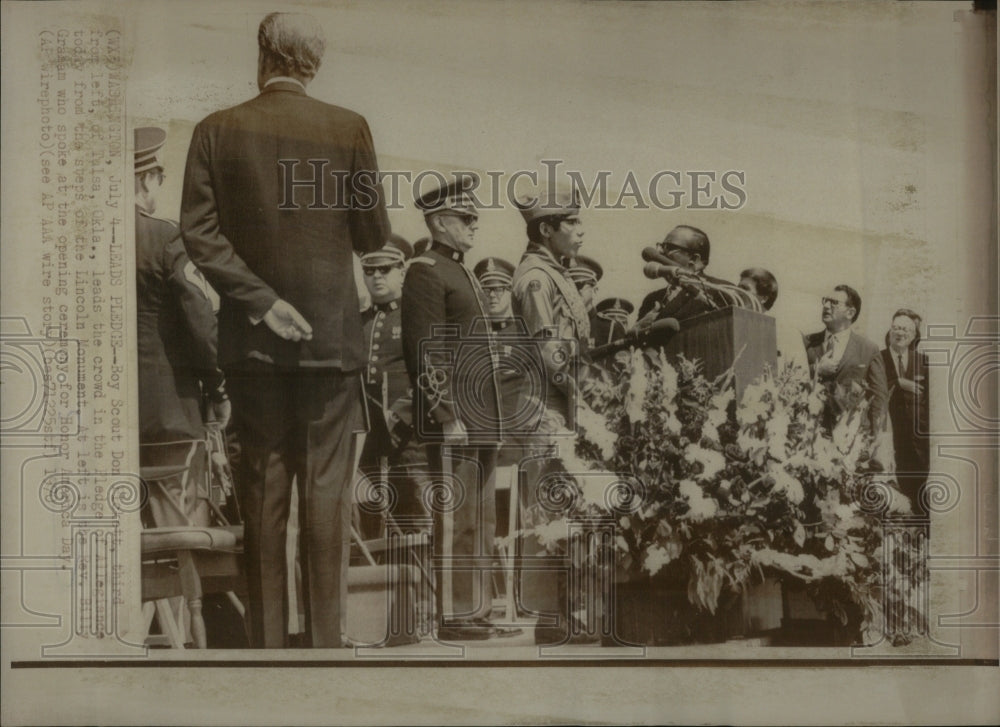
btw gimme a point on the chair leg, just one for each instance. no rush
(168, 623)
(237, 604)
(148, 611)
(191, 586)
(510, 606)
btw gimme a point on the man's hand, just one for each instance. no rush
(910, 385)
(649, 319)
(826, 366)
(455, 434)
(287, 322)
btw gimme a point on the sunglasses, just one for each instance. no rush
(384, 269)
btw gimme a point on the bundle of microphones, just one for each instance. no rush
(713, 294)
(724, 295)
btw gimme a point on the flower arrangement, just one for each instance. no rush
(717, 492)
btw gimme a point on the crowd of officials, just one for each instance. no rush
(249, 317)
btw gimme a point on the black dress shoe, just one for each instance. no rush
(470, 630)
(495, 630)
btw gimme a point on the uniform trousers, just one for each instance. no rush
(301, 424)
(463, 504)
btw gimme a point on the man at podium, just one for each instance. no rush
(689, 291)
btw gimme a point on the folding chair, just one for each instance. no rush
(190, 548)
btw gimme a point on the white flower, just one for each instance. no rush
(710, 432)
(672, 423)
(658, 556)
(551, 533)
(637, 389)
(595, 429)
(701, 507)
(786, 484)
(712, 462)
(668, 375)
(594, 487)
(777, 434)
(816, 402)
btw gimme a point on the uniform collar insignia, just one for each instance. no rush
(386, 307)
(449, 252)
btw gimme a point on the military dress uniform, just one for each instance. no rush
(609, 321)
(176, 342)
(452, 372)
(391, 452)
(586, 273)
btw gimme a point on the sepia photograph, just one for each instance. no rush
(500, 362)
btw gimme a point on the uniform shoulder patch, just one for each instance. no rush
(424, 260)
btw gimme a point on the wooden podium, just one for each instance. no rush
(716, 338)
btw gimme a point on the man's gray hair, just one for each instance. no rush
(291, 43)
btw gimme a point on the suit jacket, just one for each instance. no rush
(176, 331)
(684, 302)
(452, 372)
(908, 412)
(860, 367)
(257, 238)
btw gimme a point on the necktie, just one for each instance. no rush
(828, 349)
(902, 365)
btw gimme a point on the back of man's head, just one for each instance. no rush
(291, 44)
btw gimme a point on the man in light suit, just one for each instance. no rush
(279, 192)
(846, 362)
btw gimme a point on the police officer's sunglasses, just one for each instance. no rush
(384, 269)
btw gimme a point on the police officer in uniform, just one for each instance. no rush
(389, 446)
(457, 410)
(180, 384)
(586, 272)
(609, 321)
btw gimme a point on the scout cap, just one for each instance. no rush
(562, 203)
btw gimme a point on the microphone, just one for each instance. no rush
(652, 255)
(654, 270)
(661, 331)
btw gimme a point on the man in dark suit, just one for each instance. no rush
(693, 292)
(278, 193)
(458, 411)
(846, 362)
(909, 413)
(180, 384)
